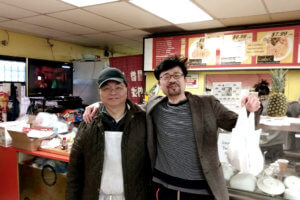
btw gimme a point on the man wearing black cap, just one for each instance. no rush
(182, 136)
(109, 158)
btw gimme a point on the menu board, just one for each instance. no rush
(204, 50)
(233, 50)
(167, 46)
(279, 46)
(242, 49)
(199, 53)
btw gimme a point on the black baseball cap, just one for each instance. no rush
(111, 74)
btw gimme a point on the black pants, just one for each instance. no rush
(163, 193)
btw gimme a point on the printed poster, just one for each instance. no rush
(200, 53)
(229, 94)
(192, 81)
(279, 46)
(233, 50)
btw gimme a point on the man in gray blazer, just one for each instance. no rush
(182, 136)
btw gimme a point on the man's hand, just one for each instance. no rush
(251, 103)
(90, 112)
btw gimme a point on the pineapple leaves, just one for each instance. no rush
(278, 80)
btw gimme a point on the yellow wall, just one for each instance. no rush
(23, 45)
(292, 87)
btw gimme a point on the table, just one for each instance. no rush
(9, 181)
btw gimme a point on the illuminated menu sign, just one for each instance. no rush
(243, 49)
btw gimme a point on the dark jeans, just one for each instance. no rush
(163, 193)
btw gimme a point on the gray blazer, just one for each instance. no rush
(208, 114)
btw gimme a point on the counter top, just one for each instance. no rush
(44, 154)
(280, 123)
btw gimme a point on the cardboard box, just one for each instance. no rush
(5, 139)
(22, 141)
(39, 184)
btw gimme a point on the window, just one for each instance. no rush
(12, 69)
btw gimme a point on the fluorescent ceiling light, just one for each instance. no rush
(174, 11)
(82, 3)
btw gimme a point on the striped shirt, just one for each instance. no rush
(177, 154)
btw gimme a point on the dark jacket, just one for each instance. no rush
(208, 114)
(87, 156)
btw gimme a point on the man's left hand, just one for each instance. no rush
(251, 102)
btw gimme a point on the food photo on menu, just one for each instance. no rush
(200, 54)
(279, 45)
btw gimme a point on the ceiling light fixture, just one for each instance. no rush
(174, 11)
(82, 3)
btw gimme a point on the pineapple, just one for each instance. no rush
(277, 104)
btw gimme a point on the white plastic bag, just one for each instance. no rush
(243, 151)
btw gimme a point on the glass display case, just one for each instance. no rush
(280, 178)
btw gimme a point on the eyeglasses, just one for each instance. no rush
(108, 89)
(167, 77)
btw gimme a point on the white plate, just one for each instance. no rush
(288, 51)
(292, 182)
(292, 194)
(270, 185)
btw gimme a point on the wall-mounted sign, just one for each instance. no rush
(256, 49)
(192, 81)
(166, 46)
(298, 53)
(244, 49)
(233, 49)
(229, 94)
(279, 45)
(201, 52)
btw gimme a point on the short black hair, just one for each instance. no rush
(169, 63)
(262, 88)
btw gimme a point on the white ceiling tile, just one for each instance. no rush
(201, 25)
(90, 20)
(40, 6)
(135, 34)
(285, 16)
(282, 5)
(258, 19)
(106, 38)
(12, 12)
(127, 13)
(31, 29)
(232, 8)
(77, 39)
(50, 22)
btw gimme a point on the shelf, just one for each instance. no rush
(294, 124)
(291, 128)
